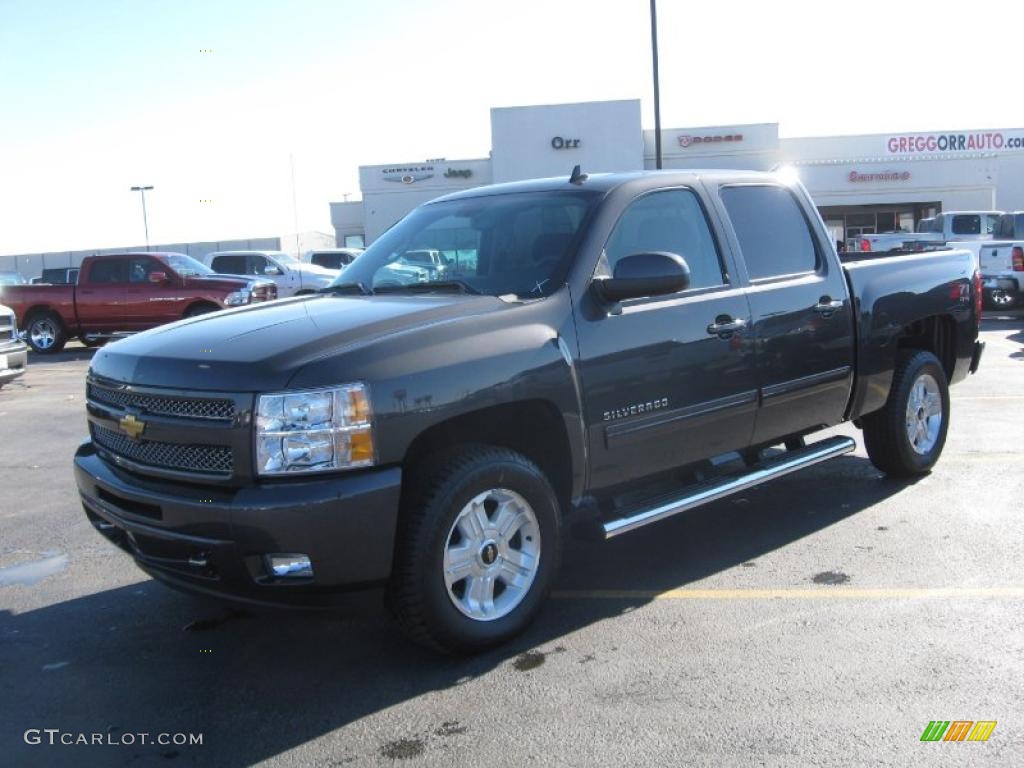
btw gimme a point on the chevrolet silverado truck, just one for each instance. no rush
(617, 350)
(124, 293)
(948, 227)
(1001, 261)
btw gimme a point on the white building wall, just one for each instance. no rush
(545, 141)
(739, 147)
(391, 191)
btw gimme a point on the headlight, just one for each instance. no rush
(237, 299)
(314, 430)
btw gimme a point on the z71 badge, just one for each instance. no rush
(637, 408)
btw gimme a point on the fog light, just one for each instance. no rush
(289, 566)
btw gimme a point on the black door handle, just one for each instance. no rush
(726, 325)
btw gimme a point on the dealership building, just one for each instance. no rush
(861, 184)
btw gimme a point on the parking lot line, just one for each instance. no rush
(799, 593)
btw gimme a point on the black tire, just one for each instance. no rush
(418, 596)
(200, 309)
(45, 334)
(92, 343)
(886, 434)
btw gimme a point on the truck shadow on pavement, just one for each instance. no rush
(145, 659)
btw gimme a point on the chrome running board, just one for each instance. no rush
(791, 461)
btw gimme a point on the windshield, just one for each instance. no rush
(186, 266)
(287, 258)
(11, 278)
(497, 244)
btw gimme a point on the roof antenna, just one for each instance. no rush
(577, 177)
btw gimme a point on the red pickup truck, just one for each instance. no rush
(124, 293)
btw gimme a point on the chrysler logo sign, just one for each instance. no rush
(688, 141)
(408, 174)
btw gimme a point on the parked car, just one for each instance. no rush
(291, 276)
(414, 266)
(332, 258)
(1002, 272)
(57, 276)
(13, 354)
(125, 293)
(621, 341)
(944, 228)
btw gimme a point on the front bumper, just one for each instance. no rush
(13, 359)
(213, 540)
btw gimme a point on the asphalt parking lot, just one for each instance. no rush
(824, 619)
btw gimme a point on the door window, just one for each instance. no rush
(139, 269)
(773, 233)
(258, 264)
(109, 271)
(231, 264)
(671, 221)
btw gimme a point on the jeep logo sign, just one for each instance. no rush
(559, 143)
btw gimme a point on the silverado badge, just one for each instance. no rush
(132, 426)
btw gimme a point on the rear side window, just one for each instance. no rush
(773, 234)
(967, 224)
(672, 221)
(109, 271)
(229, 265)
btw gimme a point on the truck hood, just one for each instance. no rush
(219, 282)
(260, 347)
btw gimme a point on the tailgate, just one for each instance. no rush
(995, 259)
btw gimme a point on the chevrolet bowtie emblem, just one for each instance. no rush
(132, 426)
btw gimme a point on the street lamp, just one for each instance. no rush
(145, 222)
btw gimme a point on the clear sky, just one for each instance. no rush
(100, 95)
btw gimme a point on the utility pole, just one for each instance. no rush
(295, 207)
(657, 93)
(145, 221)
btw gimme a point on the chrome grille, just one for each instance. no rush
(210, 459)
(162, 405)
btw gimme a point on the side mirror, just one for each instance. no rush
(157, 278)
(270, 269)
(644, 274)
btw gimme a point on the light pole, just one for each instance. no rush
(657, 94)
(145, 221)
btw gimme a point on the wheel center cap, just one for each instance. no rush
(489, 553)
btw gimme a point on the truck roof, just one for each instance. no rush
(605, 182)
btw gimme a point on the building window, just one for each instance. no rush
(355, 241)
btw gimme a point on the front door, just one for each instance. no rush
(668, 380)
(803, 320)
(146, 303)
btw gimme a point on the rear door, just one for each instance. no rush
(803, 319)
(665, 383)
(99, 296)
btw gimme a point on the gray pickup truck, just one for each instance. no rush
(604, 352)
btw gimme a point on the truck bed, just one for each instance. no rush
(892, 294)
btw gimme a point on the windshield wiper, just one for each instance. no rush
(359, 288)
(459, 286)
